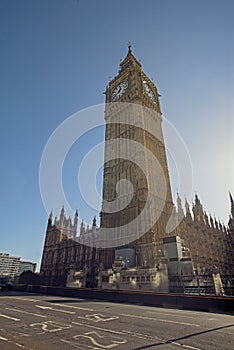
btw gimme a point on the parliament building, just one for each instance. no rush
(144, 239)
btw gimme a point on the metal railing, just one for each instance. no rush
(201, 284)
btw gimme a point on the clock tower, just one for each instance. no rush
(137, 200)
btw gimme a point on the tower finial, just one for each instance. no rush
(129, 47)
(230, 195)
(232, 205)
(94, 221)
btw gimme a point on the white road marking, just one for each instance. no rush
(74, 307)
(23, 334)
(177, 313)
(98, 318)
(51, 303)
(141, 336)
(4, 339)
(97, 341)
(161, 341)
(189, 347)
(58, 310)
(21, 298)
(161, 320)
(12, 342)
(99, 328)
(50, 326)
(9, 317)
(92, 335)
(77, 346)
(25, 312)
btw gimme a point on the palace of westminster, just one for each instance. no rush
(197, 244)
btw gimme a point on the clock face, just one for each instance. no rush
(119, 90)
(149, 91)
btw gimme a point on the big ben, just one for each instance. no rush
(137, 199)
(138, 216)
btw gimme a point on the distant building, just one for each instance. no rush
(12, 265)
(26, 266)
(9, 265)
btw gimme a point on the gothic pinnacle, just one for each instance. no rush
(129, 47)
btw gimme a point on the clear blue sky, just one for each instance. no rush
(56, 58)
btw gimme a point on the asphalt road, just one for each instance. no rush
(44, 322)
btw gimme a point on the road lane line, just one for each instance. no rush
(25, 312)
(177, 314)
(77, 346)
(20, 298)
(73, 307)
(141, 335)
(188, 347)
(38, 300)
(24, 334)
(161, 341)
(57, 310)
(51, 303)
(99, 328)
(158, 319)
(4, 339)
(9, 317)
(14, 343)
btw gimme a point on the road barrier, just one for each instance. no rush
(182, 301)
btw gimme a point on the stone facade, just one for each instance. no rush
(64, 251)
(135, 115)
(208, 240)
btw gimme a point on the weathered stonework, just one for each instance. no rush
(134, 124)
